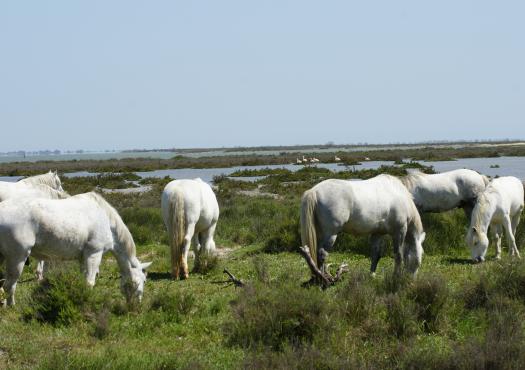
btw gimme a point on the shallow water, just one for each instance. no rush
(508, 166)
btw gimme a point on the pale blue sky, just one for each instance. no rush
(145, 74)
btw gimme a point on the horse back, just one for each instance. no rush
(361, 207)
(200, 203)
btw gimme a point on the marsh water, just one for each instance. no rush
(500, 166)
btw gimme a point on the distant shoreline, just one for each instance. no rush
(140, 161)
(263, 148)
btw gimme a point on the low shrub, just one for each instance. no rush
(430, 294)
(145, 224)
(277, 316)
(358, 299)
(174, 305)
(205, 263)
(62, 298)
(401, 316)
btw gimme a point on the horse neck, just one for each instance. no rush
(50, 192)
(483, 212)
(123, 244)
(411, 180)
(124, 251)
(45, 179)
(415, 225)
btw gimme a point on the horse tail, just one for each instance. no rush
(177, 230)
(308, 228)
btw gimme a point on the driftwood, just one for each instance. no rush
(322, 278)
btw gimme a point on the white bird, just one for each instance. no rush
(337, 159)
(299, 161)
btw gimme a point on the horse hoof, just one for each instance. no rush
(372, 275)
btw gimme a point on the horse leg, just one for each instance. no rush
(399, 248)
(40, 270)
(184, 256)
(375, 241)
(507, 225)
(327, 244)
(468, 208)
(515, 221)
(15, 266)
(91, 264)
(496, 232)
(196, 243)
(208, 244)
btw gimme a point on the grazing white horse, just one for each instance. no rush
(47, 185)
(445, 191)
(82, 227)
(378, 206)
(189, 208)
(499, 207)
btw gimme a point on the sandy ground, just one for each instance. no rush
(258, 193)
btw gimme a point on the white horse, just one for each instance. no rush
(499, 207)
(50, 179)
(190, 211)
(378, 206)
(47, 185)
(81, 227)
(31, 187)
(445, 191)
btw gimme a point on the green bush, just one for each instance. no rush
(173, 305)
(430, 294)
(358, 299)
(276, 316)
(401, 316)
(205, 263)
(145, 224)
(62, 298)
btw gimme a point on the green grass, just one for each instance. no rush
(199, 323)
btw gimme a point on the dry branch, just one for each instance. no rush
(323, 278)
(232, 280)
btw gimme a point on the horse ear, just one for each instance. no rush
(145, 265)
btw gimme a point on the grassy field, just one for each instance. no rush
(455, 315)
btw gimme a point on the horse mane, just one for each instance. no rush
(45, 179)
(481, 205)
(51, 192)
(415, 219)
(119, 228)
(411, 178)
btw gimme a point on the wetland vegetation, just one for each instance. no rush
(455, 315)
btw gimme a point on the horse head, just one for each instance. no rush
(133, 286)
(56, 183)
(415, 252)
(478, 242)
